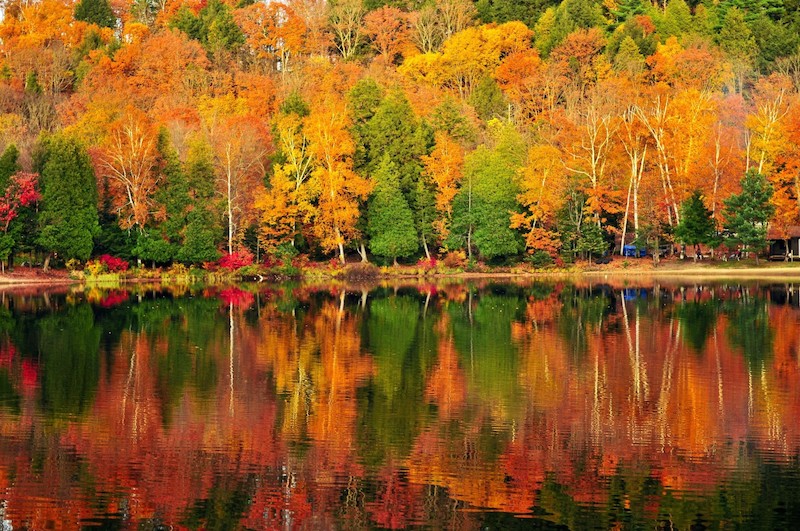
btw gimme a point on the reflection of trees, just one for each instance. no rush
(749, 329)
(581, 405)
(393, 407)
(482, 331)
(581, 314)
(697, 319)
(68, 346)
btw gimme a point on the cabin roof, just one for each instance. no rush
(793, 231)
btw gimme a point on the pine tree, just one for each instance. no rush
(749, 212)
(9, 165)
(160, 244)
(629, 59)
(591, 240)
(202, 227)
(96, 12)
(390, 222)
(394, 131)
(696, 226)
(68, 217)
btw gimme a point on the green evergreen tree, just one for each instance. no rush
(488, 100)
(363, 101)
(394, 131)
(221, 31)
(186, 21)
(629, 59)
(161, 243)
(676, 21)
(500, 11)
(112, 239)
(571, 15)
(543, 32)
(774, 39)
(9, 165)
(390, 222)
(96, 12)
(696, 226)
(202, 226)
(749, 212)
(627, 9)
(735, 37)
(213, 26)
(425, 214)
(591, 240)
(68, 216)
(295, 104)
(739, 45)
(449, 118)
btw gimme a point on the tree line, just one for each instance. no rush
(184, 131)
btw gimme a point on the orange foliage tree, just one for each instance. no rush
(340, 188)
(128, 159)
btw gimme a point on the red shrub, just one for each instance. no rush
(235, 260)
(427, 264)
(113, 264)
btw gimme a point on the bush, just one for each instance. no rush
(455, 259)
(427, 264)
(540, 259)
(361, 271)
(251, 270)
(73, 264)
(113, 264)
(95, 267)
(288, 269)
(177, 270)
(236, 260)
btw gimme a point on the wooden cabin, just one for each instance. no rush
(777, 244)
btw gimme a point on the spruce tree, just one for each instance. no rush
(696, 226)
(390, 222)
(749, 212)
(394, 131)
(96, 12)
(160, 244)
(202, 227)
(68, 216)
(591, 240)
(9, 165)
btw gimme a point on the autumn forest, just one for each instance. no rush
(187, 131)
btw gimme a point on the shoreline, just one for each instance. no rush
(688, 272)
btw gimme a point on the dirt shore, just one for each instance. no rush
(29, 275)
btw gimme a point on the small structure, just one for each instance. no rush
(782, 248)
(633, 251)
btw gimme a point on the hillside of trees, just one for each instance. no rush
(187, 130)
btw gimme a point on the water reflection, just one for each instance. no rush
(461, 405)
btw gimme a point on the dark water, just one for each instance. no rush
(460, 406)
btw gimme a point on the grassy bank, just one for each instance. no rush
(317, 272)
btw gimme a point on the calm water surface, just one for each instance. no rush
(459, 406)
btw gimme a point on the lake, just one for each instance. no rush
(459, 405)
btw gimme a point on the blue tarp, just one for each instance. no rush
(633, 251)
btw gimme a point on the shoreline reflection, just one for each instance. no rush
(467, 405)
